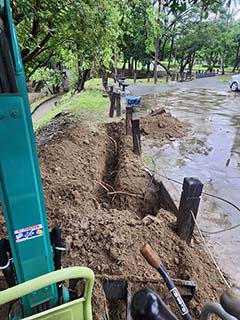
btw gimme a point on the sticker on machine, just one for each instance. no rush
(28, 233)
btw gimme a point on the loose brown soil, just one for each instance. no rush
(162, 126)
(108, 206)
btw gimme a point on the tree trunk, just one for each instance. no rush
(135, 71)
(124, 64)
(148, 67)
(39, 86)
(82, 80)
(132, 65)
(184, 64)
(170, 54)
(156, 60)
(55, 89)
(129, 68)
(181, 68)
(236, 65)
(236, 58)
(105, 81)
(148, 70)
(222, 66)
(191, 62)
(162, 65)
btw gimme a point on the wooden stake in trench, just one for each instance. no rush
(115, 102)
(112, 102)
(136, 136)
(189, 203)
(118, 104)
(129, 114)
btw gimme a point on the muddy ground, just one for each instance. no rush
(107, 206)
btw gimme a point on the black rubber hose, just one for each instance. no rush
(5, 263)
(56, 242)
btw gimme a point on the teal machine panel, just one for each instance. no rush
(21, 192)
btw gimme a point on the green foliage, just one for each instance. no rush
(85, 34)
(140, 29)
(182, 5)
(84, 31)
(50, 77)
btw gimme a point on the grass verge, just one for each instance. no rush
(88, 105)
(223, 78)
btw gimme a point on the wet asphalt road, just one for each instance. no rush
(205, 83)
(210, 153)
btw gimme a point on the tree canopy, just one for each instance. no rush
(84, 35)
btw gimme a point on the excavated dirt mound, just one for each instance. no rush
(162, 126)
(108, 206)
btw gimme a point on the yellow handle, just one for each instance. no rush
(151, 256)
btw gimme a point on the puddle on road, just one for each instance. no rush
(212, 154)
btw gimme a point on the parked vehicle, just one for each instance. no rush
(234, 83)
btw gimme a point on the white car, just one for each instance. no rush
(234, 83)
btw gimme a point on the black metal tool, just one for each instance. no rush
(153, 259)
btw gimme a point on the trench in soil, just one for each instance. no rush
(120, 309)
(107, 206)
(116, 160)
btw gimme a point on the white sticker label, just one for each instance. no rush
(181, 305)
(28, 233)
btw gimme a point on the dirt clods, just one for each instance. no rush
(162, 126)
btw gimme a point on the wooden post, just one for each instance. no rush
(177, 76)
(135, 77)
(118, 104)
(112, 102)
(167, 78)
(136, 136)
(189, 203)
(129, 113)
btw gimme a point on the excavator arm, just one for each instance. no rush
(28, 251)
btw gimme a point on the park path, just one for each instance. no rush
(44, 108)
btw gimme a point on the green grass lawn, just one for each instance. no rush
(89, 105)
(224, 78)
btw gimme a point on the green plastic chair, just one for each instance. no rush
(79, 309)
